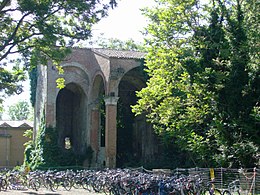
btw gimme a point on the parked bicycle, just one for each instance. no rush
(234, 187)
(3, 184)
(116, 182)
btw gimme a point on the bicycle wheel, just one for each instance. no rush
(96, 187)
(3, 185)
(226, 192)
(51, 185)
(77, 184)
(11, 180)
(67, 184)
(34, 184)
(86, 184)
(56, 184)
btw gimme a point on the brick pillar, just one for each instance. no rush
(111, 131)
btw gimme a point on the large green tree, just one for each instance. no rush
(202, 94)
(38, 30)
(19, 111)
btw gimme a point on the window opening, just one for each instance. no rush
(67, 143)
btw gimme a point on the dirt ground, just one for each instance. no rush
(42, 191)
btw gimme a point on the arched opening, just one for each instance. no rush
(70, 117)
(129, 132)
(98, 99)
(98, 121)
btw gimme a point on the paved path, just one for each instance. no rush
(43, 191)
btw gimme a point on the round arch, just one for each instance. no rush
(97, 133)
(70, 117)
(98, 87)
(128, 141)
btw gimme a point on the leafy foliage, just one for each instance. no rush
(45, 152)
(114, 43)
(10, 80)
(201, 94)
(41, 30)
(33, 84)
(19, 111)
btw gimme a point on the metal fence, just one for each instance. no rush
(249, 179)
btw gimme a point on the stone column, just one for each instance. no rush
(111, 131)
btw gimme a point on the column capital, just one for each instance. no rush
(111, 100)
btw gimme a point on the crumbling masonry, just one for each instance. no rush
(92, 76)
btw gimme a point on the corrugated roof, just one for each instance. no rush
(16, 124)
(113, 53)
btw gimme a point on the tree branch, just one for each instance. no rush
(13, 44)
(14, 32)
(6, 53)
(20, 50)
(8, 10)
(4, 4)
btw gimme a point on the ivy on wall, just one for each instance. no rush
(33, 84)
(45, 152)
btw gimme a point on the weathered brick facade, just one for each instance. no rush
(92, 75)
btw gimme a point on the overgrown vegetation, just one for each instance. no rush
(202, 96)
(45, 152)
(33, 75)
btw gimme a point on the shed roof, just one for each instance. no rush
(16, 124)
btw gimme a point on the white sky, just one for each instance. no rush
(123, 22)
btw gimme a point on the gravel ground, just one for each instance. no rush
(42, 191)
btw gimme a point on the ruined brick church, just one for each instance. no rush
(94, 108)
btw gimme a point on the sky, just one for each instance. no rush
(124, 22)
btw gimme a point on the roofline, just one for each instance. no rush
(95, 50)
